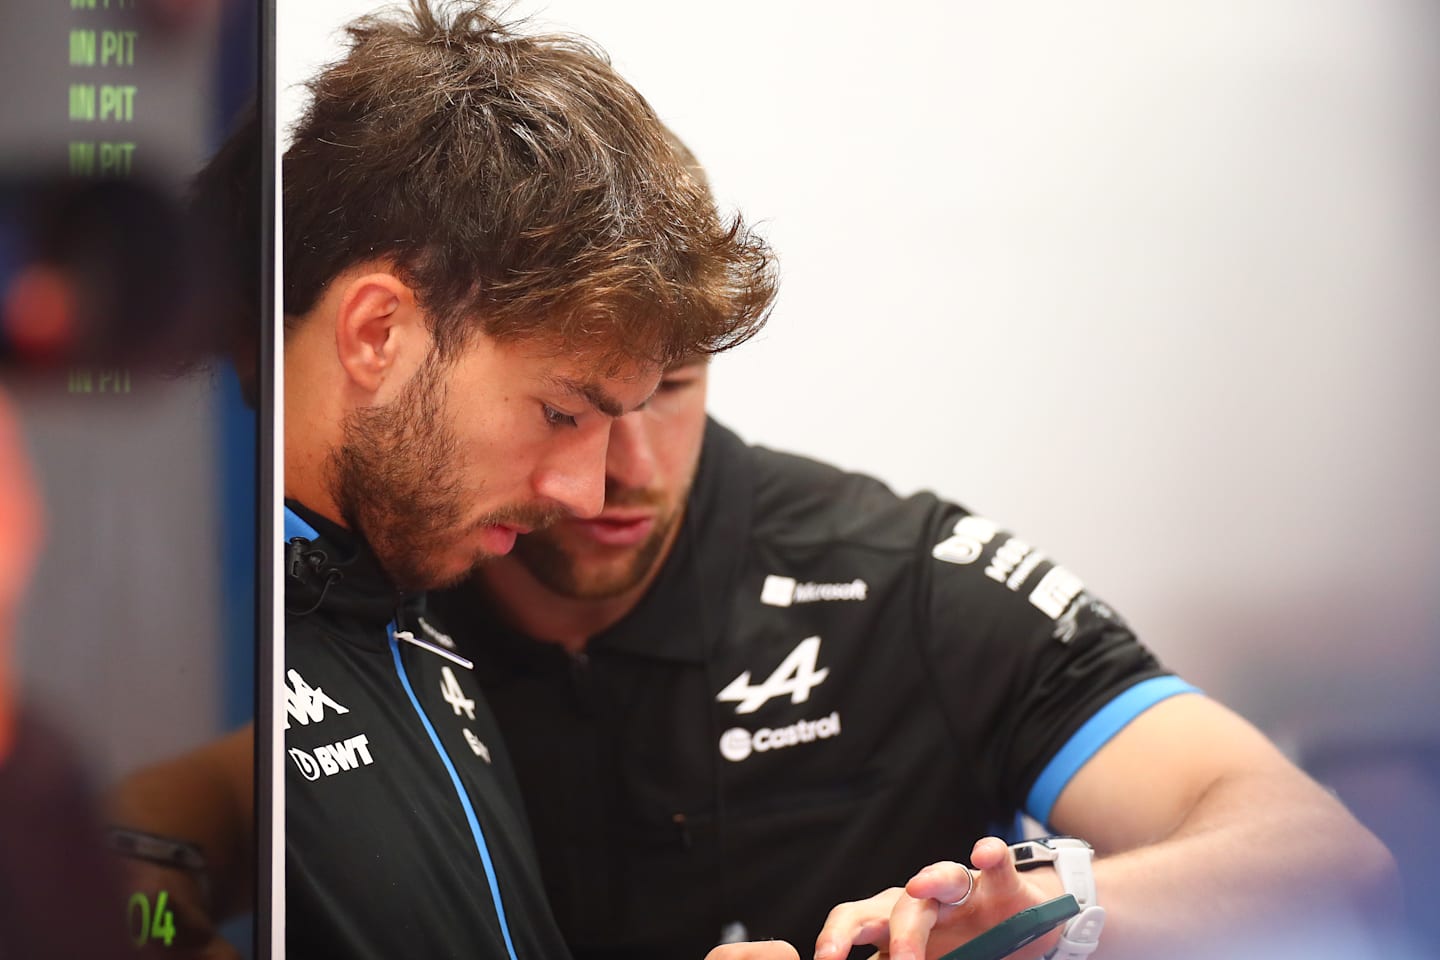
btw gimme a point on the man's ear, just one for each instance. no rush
(379, 333)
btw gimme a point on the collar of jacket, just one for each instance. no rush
(331, 569)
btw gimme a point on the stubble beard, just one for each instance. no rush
(396, 480)
(545, 555)
(393, 480)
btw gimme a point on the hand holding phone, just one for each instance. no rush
(1016, 931)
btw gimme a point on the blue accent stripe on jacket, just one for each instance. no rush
(1097, 731)
(470, 817)
(295, 527)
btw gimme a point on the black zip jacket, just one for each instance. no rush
(405, 835)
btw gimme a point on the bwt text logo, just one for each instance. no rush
(737, 743)
(331, 759)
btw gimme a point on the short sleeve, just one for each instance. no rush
(1035, 673)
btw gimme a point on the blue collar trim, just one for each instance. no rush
(296, 527)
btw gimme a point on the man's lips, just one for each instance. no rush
(619, 528)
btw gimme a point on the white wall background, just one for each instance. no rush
(1152, 284)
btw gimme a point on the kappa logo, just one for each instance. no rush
(796, 676)
(784, 591)
(330, 759)
(306, 704)
(737, 743)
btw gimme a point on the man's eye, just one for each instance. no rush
(670, 386)
(555, 418)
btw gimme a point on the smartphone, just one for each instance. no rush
(1012, 933)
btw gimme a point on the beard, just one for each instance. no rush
(397, 482)
(577, 574)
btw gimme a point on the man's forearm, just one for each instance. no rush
(206, 798)
(1260, 856)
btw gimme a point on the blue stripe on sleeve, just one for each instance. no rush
(1097, 731)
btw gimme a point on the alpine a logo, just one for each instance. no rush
(454, 694)
(737, 743)
(306, 704)
(329, 759)
(785, 591)
(795, 677)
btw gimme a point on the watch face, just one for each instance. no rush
(1042, 850)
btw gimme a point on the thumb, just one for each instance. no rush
(996, 863)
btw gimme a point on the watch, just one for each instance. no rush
(1071, 858)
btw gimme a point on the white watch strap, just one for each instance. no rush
(1081, 935)
(1071, 858)
(1076, 875)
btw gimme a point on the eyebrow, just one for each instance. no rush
(591, 394)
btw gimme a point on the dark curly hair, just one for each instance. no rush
(520, 186)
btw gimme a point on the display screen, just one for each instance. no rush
(133, 364)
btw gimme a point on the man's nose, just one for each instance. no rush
(573, 476)
(631, 460)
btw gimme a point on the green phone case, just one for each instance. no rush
(1012, 933)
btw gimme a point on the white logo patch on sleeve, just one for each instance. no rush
(967, 541)
(1055, 591)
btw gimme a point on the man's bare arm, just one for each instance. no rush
(1202, 825)
(207, 798)
(1207, 838)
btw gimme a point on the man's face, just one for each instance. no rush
(501, 440)
(651, 464)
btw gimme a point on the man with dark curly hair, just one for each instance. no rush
(491, 253)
